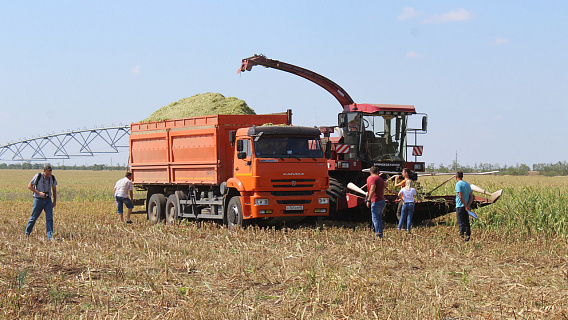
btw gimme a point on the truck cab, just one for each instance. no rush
(279, 171)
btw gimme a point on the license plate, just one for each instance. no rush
(294, 207)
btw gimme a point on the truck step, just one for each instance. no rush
(202, 216)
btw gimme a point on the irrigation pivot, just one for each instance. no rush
(64, 145)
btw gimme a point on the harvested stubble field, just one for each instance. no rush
(515, 266)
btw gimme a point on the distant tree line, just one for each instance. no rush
(39, 166)
(557, 169)
(546, 169)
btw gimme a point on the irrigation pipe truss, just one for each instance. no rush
(85, 142)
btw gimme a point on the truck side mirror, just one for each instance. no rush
(240, 146)
(424, 123)
(241, 155)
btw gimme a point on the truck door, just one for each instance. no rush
(243, 161)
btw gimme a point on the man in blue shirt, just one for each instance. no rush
(464, 198)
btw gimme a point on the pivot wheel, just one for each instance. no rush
(234, 214)
(172, 211)
(156, 207)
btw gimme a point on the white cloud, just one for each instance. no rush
(414, 55)
(135, 70)
(409, 13)
(452, 16)
(501, 41)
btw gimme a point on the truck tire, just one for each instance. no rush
(234, 214)
(156, 208)
(172, 211)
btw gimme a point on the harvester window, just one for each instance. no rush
(386, 137)
(354, 122)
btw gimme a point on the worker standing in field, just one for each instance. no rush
(43, 185)
(376, 199)
(122, 190)
(406, 195)
(464, 198)
(400, 181)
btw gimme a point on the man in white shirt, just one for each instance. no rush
(122, 189)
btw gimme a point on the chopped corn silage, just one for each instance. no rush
(202, 104)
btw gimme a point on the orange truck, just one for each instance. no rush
(229, 167)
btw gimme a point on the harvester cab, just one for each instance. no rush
(376, 136)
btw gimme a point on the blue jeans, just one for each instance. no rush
(406, 215)
(123, 200)
(39, 206)
(377, 216)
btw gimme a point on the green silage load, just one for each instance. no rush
(202, 104)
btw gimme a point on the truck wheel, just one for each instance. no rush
(234, 214)
(156, 207)
(172, 209)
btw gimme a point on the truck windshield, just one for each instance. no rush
(289, 147)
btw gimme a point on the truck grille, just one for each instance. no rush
(293, 183)
(291, 193)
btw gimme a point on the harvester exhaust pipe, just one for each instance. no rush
(352, 186)
(494, 196)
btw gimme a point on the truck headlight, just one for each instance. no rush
(260, 202)
(323, 200)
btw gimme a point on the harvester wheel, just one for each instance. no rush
(172, 209)
(335, 191)
(234, 214)
(156, 207)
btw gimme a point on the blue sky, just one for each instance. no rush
(491, 75)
